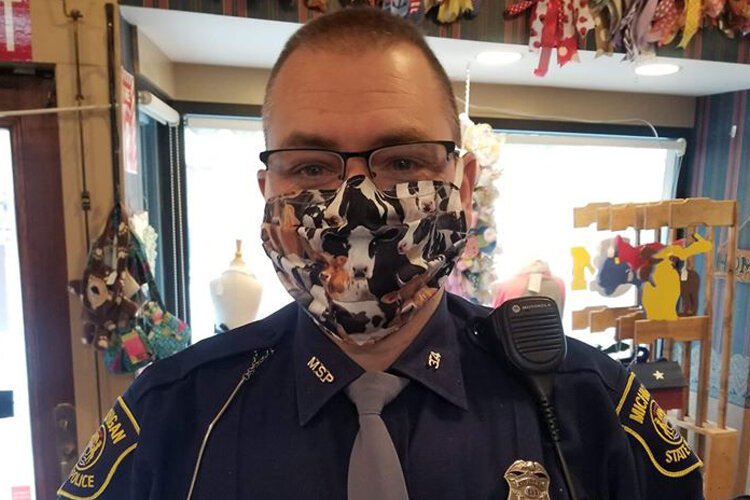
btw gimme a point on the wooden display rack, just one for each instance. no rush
(716, 443)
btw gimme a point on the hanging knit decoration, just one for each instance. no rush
(555, 25)
(446, 11)
(692, 21)
(606, 13)
(666, 23)
(450, 10)
(738, 17)
(319, 5)
(475, 271)
(413, 10)
(712, 9)
(635, 27)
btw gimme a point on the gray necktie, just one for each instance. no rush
(374, 468)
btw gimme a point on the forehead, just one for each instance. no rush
(358, 100)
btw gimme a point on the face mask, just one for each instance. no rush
(362, 261)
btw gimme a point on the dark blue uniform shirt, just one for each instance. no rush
(457, 427)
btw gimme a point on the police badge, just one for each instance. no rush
(527, 480)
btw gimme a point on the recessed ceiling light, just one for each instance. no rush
(656, 69)
(498, 57)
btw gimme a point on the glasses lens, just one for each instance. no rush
(306, 168)
(405, 163)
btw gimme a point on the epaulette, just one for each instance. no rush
(261, 334)
(582, 357)
(466, 309)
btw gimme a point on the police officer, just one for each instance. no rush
(367, 209)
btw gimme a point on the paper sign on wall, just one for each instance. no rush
(129, 131)
(15, 30)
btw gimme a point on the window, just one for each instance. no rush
(544, 177)
(224, 204)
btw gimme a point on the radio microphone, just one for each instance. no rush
(528, 336)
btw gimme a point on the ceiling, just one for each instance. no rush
(187, 37)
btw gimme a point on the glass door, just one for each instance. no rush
(16, 457)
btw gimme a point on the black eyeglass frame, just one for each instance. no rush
(450, 149)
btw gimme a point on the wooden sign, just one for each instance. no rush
(741, 265)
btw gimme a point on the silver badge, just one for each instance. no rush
(527, 480)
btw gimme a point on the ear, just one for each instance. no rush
(262, 182)
(471, 170)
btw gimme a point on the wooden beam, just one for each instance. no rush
(603, 217)
(727, 324)
(601, 319)
(585, 216)
(626, 325)
(655, 215)
(625, 216)
(687, 350)
(684, 329)
(720, 459)
(581, 319)
(703, 212)
(740, 479)
(704, 368)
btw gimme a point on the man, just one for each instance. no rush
(367, 203)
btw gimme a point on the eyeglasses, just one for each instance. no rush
(312, 168)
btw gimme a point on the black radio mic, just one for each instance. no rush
(528, 336)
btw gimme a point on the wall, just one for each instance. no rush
(52, 43)
(573, 104)
(220, 84)
(721, 169)
(155, 65)
(203, 83)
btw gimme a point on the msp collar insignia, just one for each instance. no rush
(108, 447)
(527, 480)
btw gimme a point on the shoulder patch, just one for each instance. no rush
(643, 419)
(108, 447)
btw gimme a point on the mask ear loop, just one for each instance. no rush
(458, 178)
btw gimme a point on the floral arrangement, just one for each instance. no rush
(147, 234)
(474, 273)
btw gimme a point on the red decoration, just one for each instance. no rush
(554, 24)
(15, 30)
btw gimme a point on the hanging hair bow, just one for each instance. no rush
(555, 25)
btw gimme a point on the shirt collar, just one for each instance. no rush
(433, 358)
(322, 369)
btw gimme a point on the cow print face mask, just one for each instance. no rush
(362, 261)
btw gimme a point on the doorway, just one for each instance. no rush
(35, 359)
